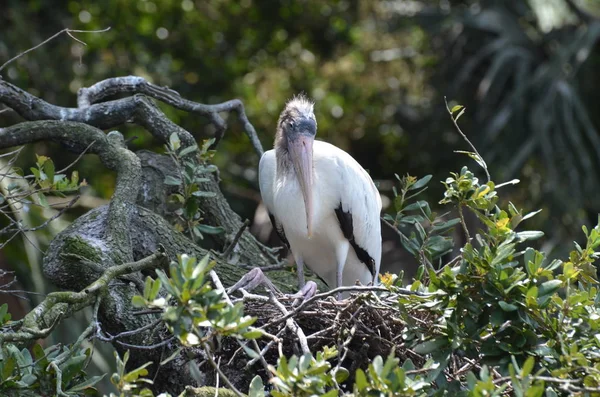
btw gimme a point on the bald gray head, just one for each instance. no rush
(297, 119)
(296, 130)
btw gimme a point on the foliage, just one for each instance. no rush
(130, 383)
(191, 176)
(306, 375)
(32, 373)
(192, 309)
(429, 235)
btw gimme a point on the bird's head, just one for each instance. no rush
(296, 132)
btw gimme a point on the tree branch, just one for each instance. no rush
(67, 31)
(58, 305)
(142, 111)
(133, 84)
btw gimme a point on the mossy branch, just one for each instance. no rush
(40, 322)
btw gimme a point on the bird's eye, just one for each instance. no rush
(291, 124)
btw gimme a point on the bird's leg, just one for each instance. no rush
(300, 266)
(341, 256)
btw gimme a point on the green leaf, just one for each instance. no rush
(442, 227)
(172, 181)
(250, 352)
(529, 235)
(549, 287)
(8, 367)
(132, 376)
(210, 229)
(527, 367)
(257, 388)
(415, 206)
(187, 150)
(431, 345)
(508, 307)
(341, 374)
(360, 380)
(42, 200)
(156, 284)
(138, 301)
(3, 311)
(378, 365)
(147, 286)
(88, 383)
(421, 182)
(474, 156)
(200, 193)
(456, 108)
(49, 170)
(254, 334)
(174, 142)
(531, 214)
(73, 367)
(172, 356)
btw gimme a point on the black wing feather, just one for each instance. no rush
(279, 229)
(346, 224)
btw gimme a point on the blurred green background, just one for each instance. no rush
(527, 71)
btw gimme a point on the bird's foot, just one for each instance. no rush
(308, 291)
(254, 278)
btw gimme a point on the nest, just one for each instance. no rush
(361, 327)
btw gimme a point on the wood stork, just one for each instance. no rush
(322, 203)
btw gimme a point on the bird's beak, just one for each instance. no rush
(301, 151)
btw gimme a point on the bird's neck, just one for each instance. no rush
(284, 163)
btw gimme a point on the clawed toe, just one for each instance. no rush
(308, 291)
(253, 279)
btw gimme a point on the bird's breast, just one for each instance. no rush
(290, 208)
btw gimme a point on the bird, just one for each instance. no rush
(323, 205)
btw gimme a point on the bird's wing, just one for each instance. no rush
(359, 208)
(266, 180)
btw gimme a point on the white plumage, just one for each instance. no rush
(346, 231)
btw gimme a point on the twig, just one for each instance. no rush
(291, 324)
(147, 347)
(279, 266)
(395, 229)
(35, 228)
(483, 164)
(78, 158)
(124, 334)
(66, 30)
(355, 288)
(235, 240)
(148, 311)
(463, 223)
(217, 380)
(220, 373)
